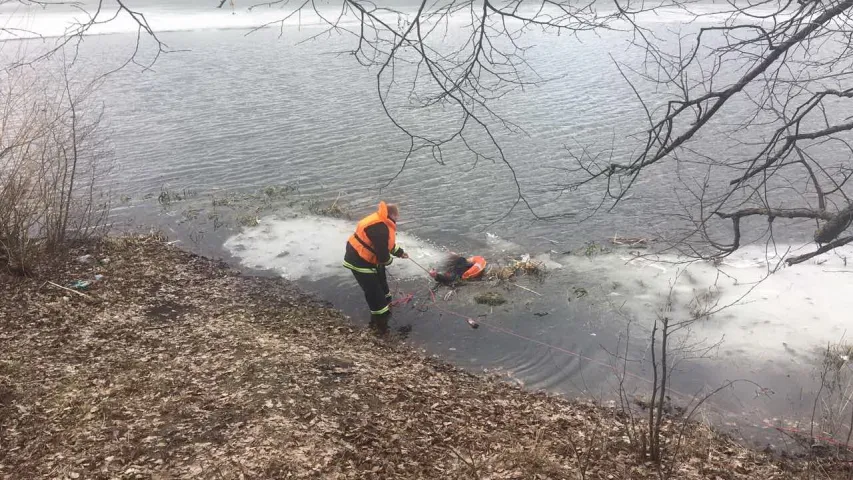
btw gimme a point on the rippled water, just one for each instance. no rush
(235, 113)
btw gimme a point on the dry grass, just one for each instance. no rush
(176, 367)
(490, 298)
(333, 210)
(52, 158)
(517, 268)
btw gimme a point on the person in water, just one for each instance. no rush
(458, 268)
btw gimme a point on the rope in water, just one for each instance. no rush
(406, 298)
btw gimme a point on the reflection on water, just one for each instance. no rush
(230, 114)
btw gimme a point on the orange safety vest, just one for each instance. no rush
(362, 243)
(476, 270)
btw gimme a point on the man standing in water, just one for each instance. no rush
(369, 251)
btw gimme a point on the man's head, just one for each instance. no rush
(393, 212)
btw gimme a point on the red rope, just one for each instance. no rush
(402, 300)
(406, 298)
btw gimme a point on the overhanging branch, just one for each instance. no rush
(829, 246)
(778, 212)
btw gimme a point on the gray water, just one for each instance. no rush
(232, 112)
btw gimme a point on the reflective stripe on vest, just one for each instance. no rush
(359, 269)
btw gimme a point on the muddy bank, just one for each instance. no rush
(174, 366)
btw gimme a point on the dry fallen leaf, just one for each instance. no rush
(184, 367)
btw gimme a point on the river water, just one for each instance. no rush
(228, 114)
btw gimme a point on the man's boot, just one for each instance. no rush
(379, 324)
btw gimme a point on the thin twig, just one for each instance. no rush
(525, 288)
(470, 463)
(70, 290)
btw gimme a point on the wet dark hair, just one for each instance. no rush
(452, 269)
(453, 263)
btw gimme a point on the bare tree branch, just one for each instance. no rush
(829, 246)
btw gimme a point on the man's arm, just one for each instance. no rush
(378, 235)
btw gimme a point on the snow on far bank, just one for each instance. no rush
(36, 21)
(795, 311)
(312, 247)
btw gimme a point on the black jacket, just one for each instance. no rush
(454, 271)
(378, 236)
